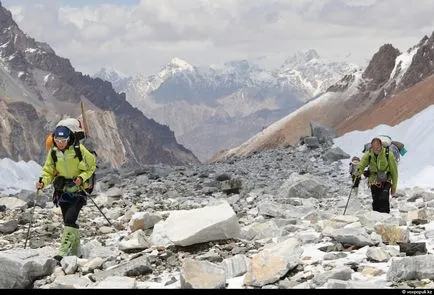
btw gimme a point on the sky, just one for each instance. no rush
(416, 167)
(141, 36)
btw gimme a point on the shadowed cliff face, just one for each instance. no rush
(422, 65)
(38, 88)
(381, 66)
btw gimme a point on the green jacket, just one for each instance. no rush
(69, 166)
(379, 164)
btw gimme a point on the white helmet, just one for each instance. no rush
(72, 124)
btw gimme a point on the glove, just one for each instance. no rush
(366, 173)
(78, 180)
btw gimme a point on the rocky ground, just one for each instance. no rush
(271, 220)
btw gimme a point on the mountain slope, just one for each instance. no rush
(393, 110)
(389, 72)
(38, 88)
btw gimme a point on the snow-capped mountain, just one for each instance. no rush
(118, 79)
(186, 97)
(174, 67)
(310, 73)
(394, 87)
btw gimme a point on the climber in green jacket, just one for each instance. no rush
(382, 174)
(69, 176)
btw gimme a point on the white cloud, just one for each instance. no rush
(96, 32)
(360, 2)
(143, 37)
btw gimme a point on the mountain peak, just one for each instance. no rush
(180, 64)
(109, 72)
(118, 79)
(310, 54)
(302, 57)
(242, 64)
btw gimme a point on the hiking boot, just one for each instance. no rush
(69, 241)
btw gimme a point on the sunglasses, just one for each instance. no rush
(61, 139)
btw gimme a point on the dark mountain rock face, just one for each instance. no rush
(422, 64)
(23, 124)
(37, 84)
(385, 61)
(381, 66)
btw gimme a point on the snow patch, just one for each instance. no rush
(4, 45)
(31, 50)
(46, 77)
(181, 64)
(15, 176)
(402, 63)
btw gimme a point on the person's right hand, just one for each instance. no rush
(39, 185)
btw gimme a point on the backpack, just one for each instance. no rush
(77, 134)
(396, 147)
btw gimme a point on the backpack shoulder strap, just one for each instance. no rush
(78, 152)
(53, 155)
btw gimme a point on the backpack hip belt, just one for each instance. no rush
(380, 184)
(62, 184)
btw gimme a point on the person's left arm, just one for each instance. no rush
(393, 168)
(88, 165)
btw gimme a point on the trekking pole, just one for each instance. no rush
(348, 201)
(349, 196)
(88, 195)
(31, 215)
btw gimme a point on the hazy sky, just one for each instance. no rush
(141, 36)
